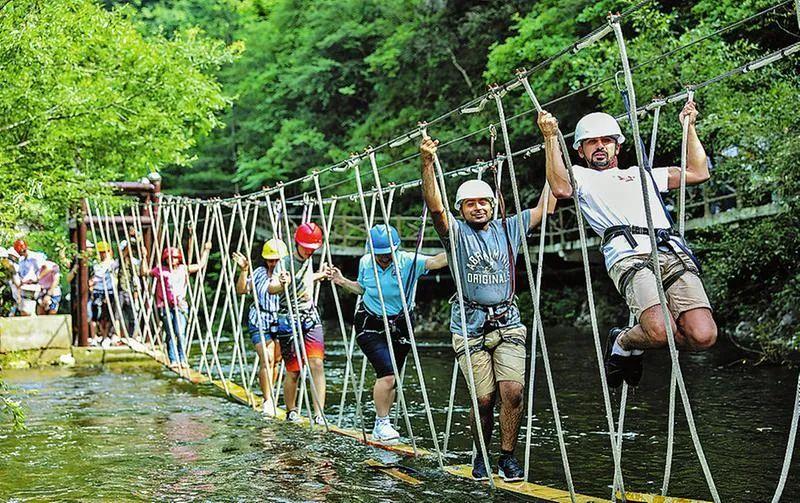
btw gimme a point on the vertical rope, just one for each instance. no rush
(406, 315)
(673, 352)
(534, 298)
(455, 268)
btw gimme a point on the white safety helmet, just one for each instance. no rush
(474, 189)
(597, 125)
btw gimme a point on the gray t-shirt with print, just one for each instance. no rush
(485, 270)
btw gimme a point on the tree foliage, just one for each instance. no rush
(87, 99)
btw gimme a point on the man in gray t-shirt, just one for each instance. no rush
(485, 252)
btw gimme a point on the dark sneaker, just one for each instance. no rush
(479, 468)
(615, 365)
(509, 469)
(634, 369)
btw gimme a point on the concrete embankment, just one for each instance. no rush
(47, 340)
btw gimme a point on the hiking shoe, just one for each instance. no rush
(293, 416)
(615, 365)
(383, 431)
(319, 420)
(268, 409)
(509, 469)
(479, 468)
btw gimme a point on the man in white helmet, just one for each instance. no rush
(486, 250)
(611, 201)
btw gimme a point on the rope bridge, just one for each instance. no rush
(216, 311)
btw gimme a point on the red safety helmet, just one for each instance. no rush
(170, 252)
(20, 246)
(309, 236)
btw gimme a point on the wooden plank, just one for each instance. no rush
(526, 488)
(655, 498)
(239, 394)
(393, 472)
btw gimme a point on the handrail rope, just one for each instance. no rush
(156, 217)
(656, 269)
(293, 305)
(582, 89)
(537, 320)
(171, 240)
(455, 268)
(580, 44)
(405, 305)
(357, 389)
(274, 212)
(327, 222)
(590, 301)
(384, 316)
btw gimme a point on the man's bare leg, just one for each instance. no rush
(486, 412)
(510, 414)
(695, 330)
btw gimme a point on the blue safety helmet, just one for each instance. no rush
(380, 239)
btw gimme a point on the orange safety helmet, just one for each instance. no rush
(20, 246)
(171, 252)
(308, 235)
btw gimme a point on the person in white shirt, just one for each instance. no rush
(612, 203)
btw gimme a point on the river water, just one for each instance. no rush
(134, 432)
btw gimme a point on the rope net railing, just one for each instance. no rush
(201, 301)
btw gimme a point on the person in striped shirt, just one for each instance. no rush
(262, 319)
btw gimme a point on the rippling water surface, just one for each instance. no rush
(135, 432)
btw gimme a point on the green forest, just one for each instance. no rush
(228, 96)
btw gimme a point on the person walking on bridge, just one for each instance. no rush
(611, 200)
(369, 316)
(486, 250)
(172, 283)
(262, 319)
(308, 239)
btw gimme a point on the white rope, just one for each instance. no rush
(404, 302)
(534, 298)
(787, 458)
(455, 268)
(327, 255)
(384, 317)
(656, 269)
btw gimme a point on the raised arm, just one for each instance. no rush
(193, 268)
(242, 286)
(696, 159)
(557, 174)
(335, 275)
(438, 261)
(536, 213)
(430, 189)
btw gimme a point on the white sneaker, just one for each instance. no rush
(268, 409)
(383, 431)
(319, 420)
(293, 416)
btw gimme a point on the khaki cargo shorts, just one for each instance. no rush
(641, 291)
(496, 356)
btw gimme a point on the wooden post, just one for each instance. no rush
(80, 289)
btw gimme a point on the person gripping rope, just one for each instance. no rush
(262, 320)
(368, 321)
(611, 200)
(172, 282)
(308, 239)
(486, 250)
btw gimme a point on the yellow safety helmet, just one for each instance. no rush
(274, 249)
(103, 246)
